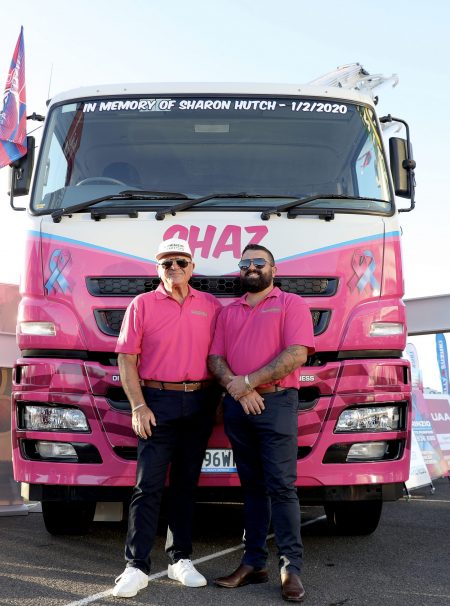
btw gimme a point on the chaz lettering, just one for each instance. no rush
(211, 242)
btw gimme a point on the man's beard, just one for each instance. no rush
(256, 284)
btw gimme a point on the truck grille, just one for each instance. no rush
(220, 286)
(109, 321)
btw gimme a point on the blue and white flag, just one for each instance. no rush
(442, 356)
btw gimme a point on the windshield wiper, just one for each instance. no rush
(277, 210)
(159, 216)
(129, 194)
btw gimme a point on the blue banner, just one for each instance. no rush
(442, 357)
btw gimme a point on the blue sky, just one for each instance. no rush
(93, 42)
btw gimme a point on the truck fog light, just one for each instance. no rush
(37, 329)
(56, 450)
(44, 418)
(367, 451)
(375, 418)
(386, 329)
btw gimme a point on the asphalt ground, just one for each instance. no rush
(405, 562)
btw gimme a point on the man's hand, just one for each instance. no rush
(252, 403)
(142, 421)
(237, 388)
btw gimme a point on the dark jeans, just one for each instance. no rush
(265, 451)
(184, 424)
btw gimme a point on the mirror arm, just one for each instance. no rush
(409, 164)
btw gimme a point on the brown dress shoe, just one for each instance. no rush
(292, 589)
(243, 575)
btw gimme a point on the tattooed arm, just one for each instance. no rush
(220, 369)
(250, 400)
(282, 365)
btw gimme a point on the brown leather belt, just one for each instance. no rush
(270, 389)
(187, 386)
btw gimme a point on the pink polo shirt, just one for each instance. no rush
(251, 337)
(171, 340)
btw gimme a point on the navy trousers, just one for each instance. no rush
(265, 451)
(184, 423)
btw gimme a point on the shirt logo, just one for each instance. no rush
(199, 312)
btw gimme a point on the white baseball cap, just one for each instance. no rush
(173, 246)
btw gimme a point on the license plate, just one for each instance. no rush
(218, 460)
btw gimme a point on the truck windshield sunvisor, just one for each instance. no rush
(289, 147)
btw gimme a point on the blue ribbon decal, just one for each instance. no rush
(363, 265)
(58, 261)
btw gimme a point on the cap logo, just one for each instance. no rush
(174, 247)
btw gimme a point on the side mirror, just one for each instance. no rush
(400, 166)
(21, 173)
(23, 170)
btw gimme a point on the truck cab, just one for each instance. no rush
(301, 169)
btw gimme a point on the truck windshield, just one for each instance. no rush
(198, 146)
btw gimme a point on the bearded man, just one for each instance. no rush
(260, 343)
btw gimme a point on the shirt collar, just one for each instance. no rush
(274, 293)
(161, 292)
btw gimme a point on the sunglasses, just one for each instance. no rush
(259, 263)
(183, 263)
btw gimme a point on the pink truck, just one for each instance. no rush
(302, 170)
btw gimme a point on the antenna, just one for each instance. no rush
(50, 81)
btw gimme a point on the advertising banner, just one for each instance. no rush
(439, 410)
(424, 429)
(442, 357)
(418, 472)
(416, 373)
(430, 424)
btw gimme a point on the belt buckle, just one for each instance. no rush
(187, 386)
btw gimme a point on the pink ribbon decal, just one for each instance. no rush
(363, 265)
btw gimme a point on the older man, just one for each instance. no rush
(163, 347)
(261, 340)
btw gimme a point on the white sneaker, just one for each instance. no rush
(129, 583)
(185, 572)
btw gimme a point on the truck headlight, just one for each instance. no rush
(375, 418)
(52, 418)
(37, 329)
